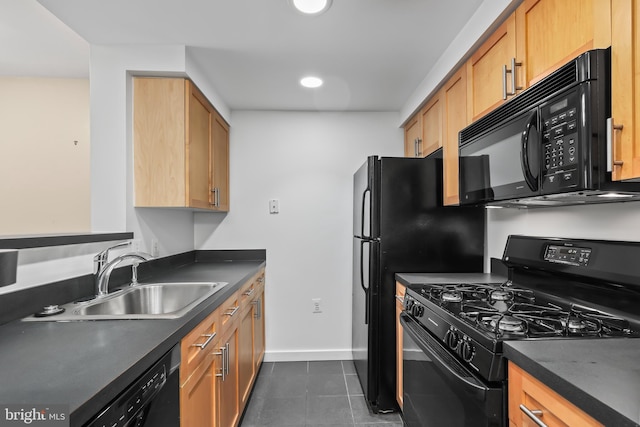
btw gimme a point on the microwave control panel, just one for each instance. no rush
(560, 142)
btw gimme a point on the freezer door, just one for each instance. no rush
(364, 199)
(364, 314)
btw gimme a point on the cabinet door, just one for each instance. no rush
(545, 404)
(485, 70)
(431, 115)
(258, 330)
(245, 354)
(199, 116)
(625, 88)
(220, 163)
(197, 396)
(550, 33)
(228, 402)
(400, 290)
(158, 136)
(412, 134)
(454, 96)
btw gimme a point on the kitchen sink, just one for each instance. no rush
(144, 301)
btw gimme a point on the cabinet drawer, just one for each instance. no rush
(199, 343)
(230, 311)
(528, 394)
(250, 290)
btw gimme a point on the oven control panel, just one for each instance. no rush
(571, 255)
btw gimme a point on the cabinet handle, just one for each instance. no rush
(223, 373)
(202, 346)
(514, 84)
(533, 415)
(226, 361)
(249, 292)
(419, 151)
(260, 279)
(399, 298)
(232, 311)
(504, 81)
(611, 143)
(258, 313)
(217, 197)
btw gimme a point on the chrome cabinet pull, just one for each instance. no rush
(258, 313)
(249, 292)
(514, 85)
(419, 151)
(223, 373)
(210, 338)
(611, 130)
(232, 311)
(504, 82)
(533, 415)
(399, 298)
(226, 361)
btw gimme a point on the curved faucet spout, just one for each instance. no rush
(105, 273)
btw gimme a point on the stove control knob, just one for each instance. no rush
(452, 339)
(417, 310)
(408, 303)
(467, 351)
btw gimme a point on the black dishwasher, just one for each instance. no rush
(151, 400)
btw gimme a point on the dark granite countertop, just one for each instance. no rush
(599, 376)
(85, 364)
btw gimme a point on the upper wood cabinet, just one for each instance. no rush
(625, 87)
(454, 97)
(550, 33)
(529, 399)
(181, 146)
(488, 85)
(539, 37)
(412, 135)
(423, 133)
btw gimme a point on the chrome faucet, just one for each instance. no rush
(100, 260)
(102, 282)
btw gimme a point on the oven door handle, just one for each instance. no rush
(531, 180)
(445, 366)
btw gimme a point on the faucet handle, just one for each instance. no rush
(101, 258)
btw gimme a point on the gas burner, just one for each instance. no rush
(576, 326)
(508, 324)
(451, 296)
(500, 295)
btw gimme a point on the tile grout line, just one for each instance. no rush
(344, 377)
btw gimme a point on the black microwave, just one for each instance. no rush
(547, 146)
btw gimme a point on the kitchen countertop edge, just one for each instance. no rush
(533, 362)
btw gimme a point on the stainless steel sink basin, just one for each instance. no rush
(144, 301)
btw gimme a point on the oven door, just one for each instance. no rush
(502, 163)
(439, 390)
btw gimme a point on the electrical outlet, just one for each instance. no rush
(274, 206)
(317, 307)
(155, 251)
(135, 245)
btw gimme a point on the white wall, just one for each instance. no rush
(306, 160)
(44, 155)
(613, 221)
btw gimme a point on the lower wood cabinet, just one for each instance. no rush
(221, 358)
(529, 399)
(400, 291)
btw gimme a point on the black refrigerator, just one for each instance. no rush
(401, 226)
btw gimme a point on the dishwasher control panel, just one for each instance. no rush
(129, 405)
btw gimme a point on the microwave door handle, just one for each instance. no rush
(531, 180)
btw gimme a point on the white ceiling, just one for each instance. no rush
(372, 54)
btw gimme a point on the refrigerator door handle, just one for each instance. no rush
(364, 288)
(362, 217)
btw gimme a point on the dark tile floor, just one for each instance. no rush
(309, 394)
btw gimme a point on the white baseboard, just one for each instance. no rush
(307, 355)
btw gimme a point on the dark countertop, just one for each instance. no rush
(599, 376)
(444, 278)
(85, 364)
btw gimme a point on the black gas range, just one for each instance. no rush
(555, 289)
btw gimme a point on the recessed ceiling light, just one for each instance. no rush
(311, 82)
(311, 7)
